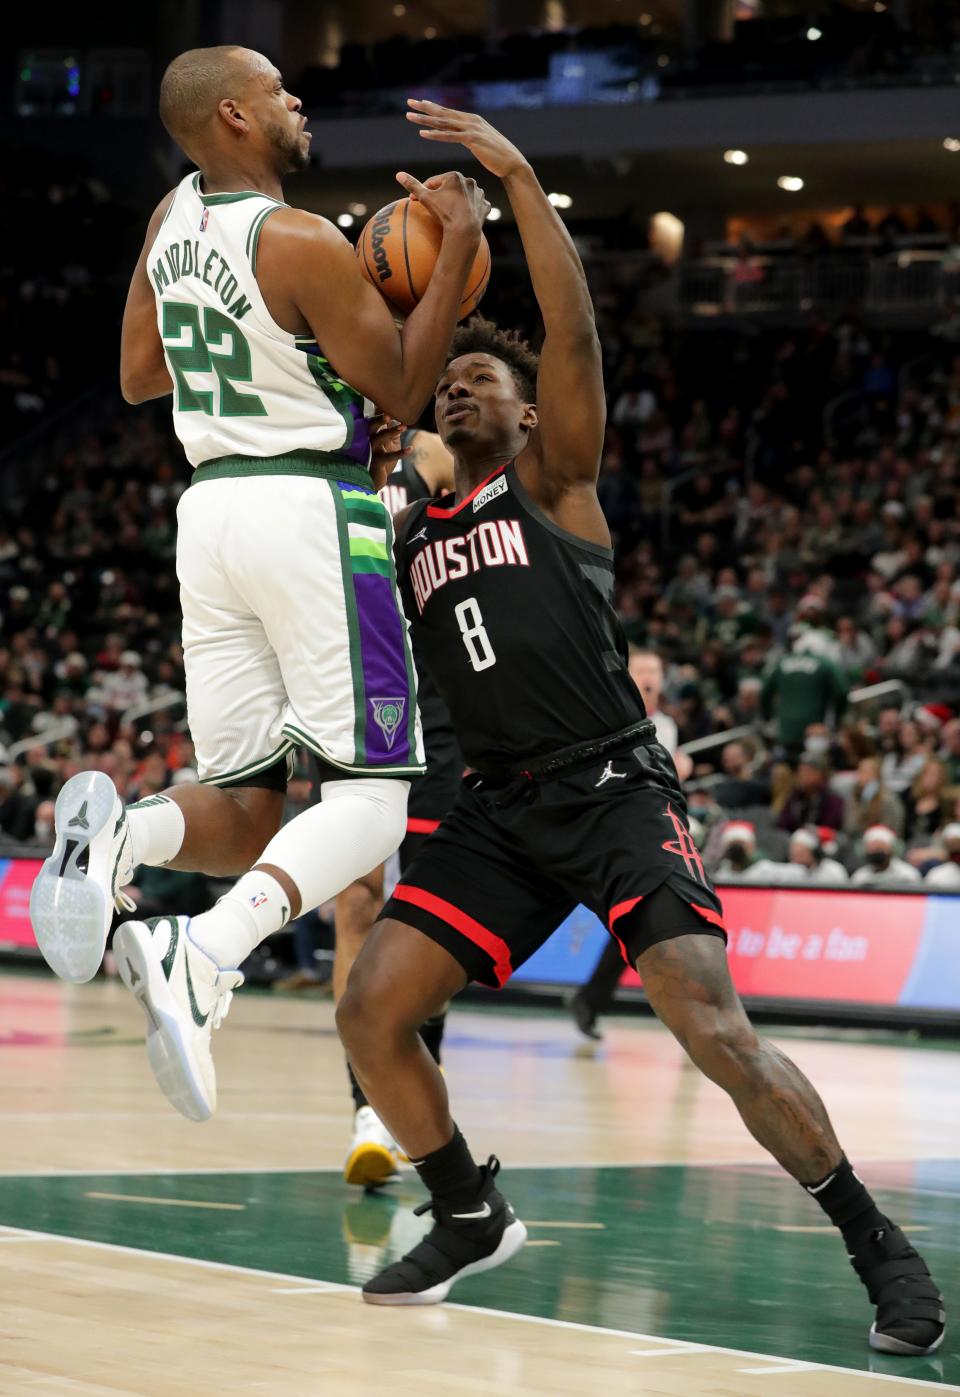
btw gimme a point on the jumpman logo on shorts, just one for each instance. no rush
(609, 774)
(683, 846)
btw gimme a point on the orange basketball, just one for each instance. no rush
(398, 251)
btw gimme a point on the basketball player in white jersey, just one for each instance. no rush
(255, 317)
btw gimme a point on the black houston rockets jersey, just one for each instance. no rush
(514, 619)
(444, 763)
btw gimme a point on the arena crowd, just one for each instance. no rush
(778, 560)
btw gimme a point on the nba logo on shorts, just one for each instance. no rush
(388, 715)
(204, 219)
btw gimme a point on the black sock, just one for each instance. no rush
(450, 1173)
(432, 1034)
(356, 1090)
(847, 1203)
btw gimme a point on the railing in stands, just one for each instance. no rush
(46, 738)
(869, 694)
(173, 699)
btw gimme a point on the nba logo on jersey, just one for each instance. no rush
(388, 715)
(204, 220)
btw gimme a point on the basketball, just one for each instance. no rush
(398, 250)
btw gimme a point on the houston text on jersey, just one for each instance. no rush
(495, 543)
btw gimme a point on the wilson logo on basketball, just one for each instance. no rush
(378, 236)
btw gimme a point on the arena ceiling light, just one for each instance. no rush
(952, 144)
(358, 210)
(736, 157)
(791, 183)
(560, 201)
(494, 214)
(345, 220)
(813, 33)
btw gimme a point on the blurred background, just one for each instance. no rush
(764, 193)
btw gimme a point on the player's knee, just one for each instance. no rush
(366, 1012)
(386, 811)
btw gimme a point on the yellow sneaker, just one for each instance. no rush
(372, 1159)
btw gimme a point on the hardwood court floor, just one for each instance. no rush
(140, 1254)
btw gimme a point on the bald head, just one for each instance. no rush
(195, 84)
(228, 105)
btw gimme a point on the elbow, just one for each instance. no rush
(130, 389)
(134, 388)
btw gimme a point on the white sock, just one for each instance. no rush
(357, 824)
(253, 909)
(157, 830)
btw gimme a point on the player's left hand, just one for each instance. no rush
(386, 434)
(494, 152)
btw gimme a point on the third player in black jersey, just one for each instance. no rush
(508, 590)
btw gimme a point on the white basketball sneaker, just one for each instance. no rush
(373, 1151)
(185, 995)
(74, 894)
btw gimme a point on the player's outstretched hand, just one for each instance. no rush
(458, 202)
(484, 142)
(386, 450)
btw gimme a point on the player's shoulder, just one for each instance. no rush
(405, 520)
(301, 226)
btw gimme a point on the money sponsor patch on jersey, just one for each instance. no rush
(388, 716)
(490, 492)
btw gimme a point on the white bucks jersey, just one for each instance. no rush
(242, 386)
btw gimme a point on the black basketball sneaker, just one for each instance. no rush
(910, 1314)
(461, 1243)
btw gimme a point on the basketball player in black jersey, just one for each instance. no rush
(424, 471)
(508, 588)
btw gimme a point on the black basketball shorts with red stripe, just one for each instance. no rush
(514, 857)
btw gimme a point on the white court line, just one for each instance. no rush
(677, 1351)
(766, 1168)
(334, 1286)
(790, 1366)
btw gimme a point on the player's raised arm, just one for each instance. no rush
(143, 369)
(305, 263)
(570, 399)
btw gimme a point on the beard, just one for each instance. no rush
(292, 152)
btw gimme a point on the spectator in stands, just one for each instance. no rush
(809, 864)
(945, 876)
(925, 802)
(950, 751)
(803, 689)
(882, 867)
(741, 786)
(811, 802)
(127, 685)
(869, 802)
(18, 805)
(646, 671)
(739, 858)
(903, 764)
(855, 650)
(857, 225)
(43, 835)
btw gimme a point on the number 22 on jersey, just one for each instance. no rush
(192, 350)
